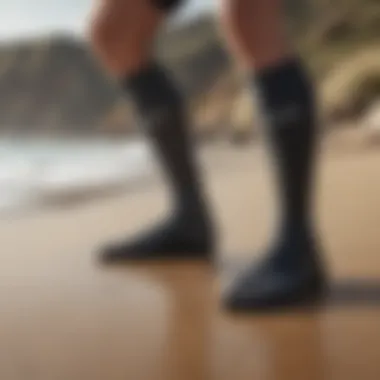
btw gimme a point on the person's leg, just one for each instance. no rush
(122, 32)
(291, 271)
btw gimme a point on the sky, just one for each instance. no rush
(28, 18)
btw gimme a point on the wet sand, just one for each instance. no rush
(66, 317)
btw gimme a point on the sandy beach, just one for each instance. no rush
(66, 317)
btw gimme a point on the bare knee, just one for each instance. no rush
(255, 30)
(121, 33)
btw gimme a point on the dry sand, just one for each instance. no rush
(65, 317)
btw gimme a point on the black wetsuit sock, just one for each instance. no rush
(187, 232)
(290, 271)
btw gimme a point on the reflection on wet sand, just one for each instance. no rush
(203, 343)
(65, 317)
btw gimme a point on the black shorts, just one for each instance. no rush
(167, 5)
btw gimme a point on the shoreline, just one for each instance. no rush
(219, 157)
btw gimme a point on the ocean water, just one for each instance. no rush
(38, 172)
